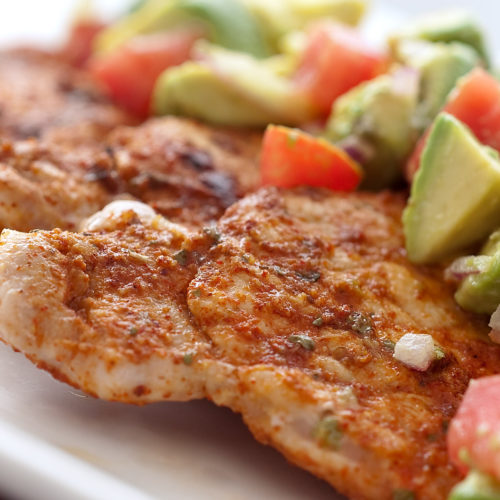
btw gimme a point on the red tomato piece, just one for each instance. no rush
(78, 47)
(335, 60)
(476, 102)
(129, 73)
(474, 433)
(291, 158)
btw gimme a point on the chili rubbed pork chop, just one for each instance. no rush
(42, 96)
(286, 312)
(187, 171)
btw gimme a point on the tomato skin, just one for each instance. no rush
(292, 158)
(129, 73)
(476, 428)
(476, 102)
(335, 60)
(78, 47)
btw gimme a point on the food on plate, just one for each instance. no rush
(42, 96)
(229, 88)
(228, 23)
(175, 259)
(129, 73)
(454, 200)
(473, 441)
(287, 311)
(374, 123)
(43, 186)
(478, 290)
(291, 158)
(439, 65)
(457, 25)
(187, 171)
(475, 101)
(334, 60)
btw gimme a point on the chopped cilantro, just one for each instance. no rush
(328, 433)
(402, 494)
(360, 324)
(181, 257)
(318, 321)
(187, 359)
(311, 276)
(303, 340)
(213, 233)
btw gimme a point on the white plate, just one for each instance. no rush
(56, 443)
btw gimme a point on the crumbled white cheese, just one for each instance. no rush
(415, 350)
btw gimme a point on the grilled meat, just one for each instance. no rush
(286, 312)
(187, 171)
(41, 96)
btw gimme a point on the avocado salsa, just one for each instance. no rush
(423, 110)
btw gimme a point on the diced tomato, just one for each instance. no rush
(335, 60)
(78, 47)
(476, 102)
(129, 73)
(291, 158)
(474, 433)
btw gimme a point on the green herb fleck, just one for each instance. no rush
(291, 138)
(360, 323)
(303, 340)
(318, 321)
(388, 344)
(311, 276)
(402, 494)
(197, 292)
(133, 330)
(439, 353)
(432, 437)
(212, 233)
(187, 359)
(328, 433)
(181, 257)
(154, 242)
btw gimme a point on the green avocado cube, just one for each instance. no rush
(228, 23)
(455, 25)
(455, 196)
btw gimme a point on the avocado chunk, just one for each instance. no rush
(279, 17)
(454, 201)
(229, 88)
(476, 486)
(440, 66)
(480, 291)
(373, 122)
(228, 23)
(455, 25)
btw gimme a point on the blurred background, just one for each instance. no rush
(45, 22)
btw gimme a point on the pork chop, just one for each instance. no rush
(41, 96)
(43, 186)
(286, 312)
(187, 171)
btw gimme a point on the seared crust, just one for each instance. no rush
(43, 186)
(41, 96)
(138, 310)
(332, 269)
(187, 171)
